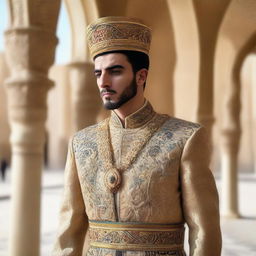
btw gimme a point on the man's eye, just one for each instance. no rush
(116, 71)
(97, 74)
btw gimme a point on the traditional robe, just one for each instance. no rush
(169, 182)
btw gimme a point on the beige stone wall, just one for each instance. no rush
(4, 127)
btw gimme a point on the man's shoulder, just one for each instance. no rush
(180, 126)
(181, 123)
(89, 132)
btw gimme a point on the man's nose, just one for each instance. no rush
(104, 80)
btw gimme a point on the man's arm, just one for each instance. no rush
(73, 219)
(200, 197)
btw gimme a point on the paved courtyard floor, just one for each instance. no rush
(239, 235)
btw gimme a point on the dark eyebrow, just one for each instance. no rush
(114, 67)
(110, 68)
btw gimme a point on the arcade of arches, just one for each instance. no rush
(202, 62)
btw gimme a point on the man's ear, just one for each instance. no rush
(141, 76)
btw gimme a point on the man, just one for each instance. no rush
(134, 179)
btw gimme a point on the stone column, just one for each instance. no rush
(27, 90)
(30, 45)
(86, 101)
(231, 133)
(209, 17)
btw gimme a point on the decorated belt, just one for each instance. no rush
(136, 236)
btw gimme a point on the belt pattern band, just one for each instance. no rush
(134, 236)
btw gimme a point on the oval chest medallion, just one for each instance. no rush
(113, 180)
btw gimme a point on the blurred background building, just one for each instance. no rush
(203, 62)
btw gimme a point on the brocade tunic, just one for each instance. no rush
(169, 182)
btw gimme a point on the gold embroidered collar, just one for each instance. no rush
(113, 175)
(136, 119)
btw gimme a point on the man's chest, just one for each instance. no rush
(149, 177)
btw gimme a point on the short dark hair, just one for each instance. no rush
(138, 60)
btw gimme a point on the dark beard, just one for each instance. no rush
(126, 95)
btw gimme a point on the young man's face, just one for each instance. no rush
(115, 79)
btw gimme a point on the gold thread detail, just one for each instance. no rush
(131, 247)
(118, 33)
(105, 148)
(135, 226)
(133, 236)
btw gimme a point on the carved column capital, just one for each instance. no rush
(27, 86)
(27, 111)
(29, 53)
(29, 48)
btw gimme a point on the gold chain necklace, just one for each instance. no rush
(113, 175)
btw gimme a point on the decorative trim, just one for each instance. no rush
(136, 236)
(113, 176)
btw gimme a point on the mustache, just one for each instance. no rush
(107, 90)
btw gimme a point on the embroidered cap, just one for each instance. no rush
(118, 33)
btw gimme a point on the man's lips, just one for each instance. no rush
(107, 92)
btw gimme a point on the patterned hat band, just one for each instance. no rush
(118, 33)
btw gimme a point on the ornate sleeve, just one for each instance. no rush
(200, 197)
(73, 219)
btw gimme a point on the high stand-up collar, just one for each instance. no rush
(134, 120)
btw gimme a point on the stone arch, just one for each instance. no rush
(111, 7)
(236, 38)
(209, 16)
(80, 13)
(85, 102)
(187, 52)
(195, 42)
